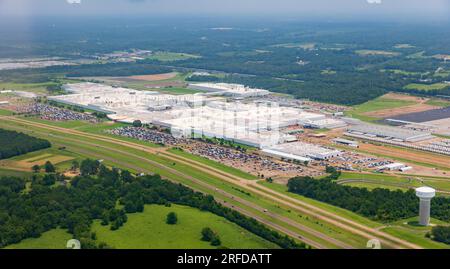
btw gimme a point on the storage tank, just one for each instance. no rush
(425, 194)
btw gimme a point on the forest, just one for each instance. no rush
(441, 234)
(378, 204)
(95, 194)
(312, 60)
(13, 144)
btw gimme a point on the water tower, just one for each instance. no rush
(425, 194)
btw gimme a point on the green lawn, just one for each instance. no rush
(426, 87)
(149, 230)
(4, 112)
(415, 234)
(54, 239)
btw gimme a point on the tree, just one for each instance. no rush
(207, 234)
(36, 168)
(49, 179)
(216, 241)
(49, 167)
(172, 218)
(126, 176)
(75, 165)
(137, 123)
(89, 167)
(269, 180)
(441, 234)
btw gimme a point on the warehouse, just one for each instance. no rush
(232, 90)
(304, 150)
(346, 142)
(389, 132)
(254, 123)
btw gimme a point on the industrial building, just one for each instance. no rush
(346, 142)
(225, 89)
(388, 132)
(302, 151)
(255, 123)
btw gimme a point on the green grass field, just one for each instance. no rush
(4, 112)
(416, 234)
(29, 87)
(215, 164)
(392, 182)
(148, 230)
(377, 104)
(341, 212)
(376, 53)
(426, 87)
(163, 56)
(401, 72)
(54, 239)
(177, 91)
(438, 102)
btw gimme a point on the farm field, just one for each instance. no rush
(148, 230)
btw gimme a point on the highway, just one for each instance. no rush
(251, 186)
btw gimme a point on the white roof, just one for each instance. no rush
(425, 192)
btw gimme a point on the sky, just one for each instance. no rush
(404, 9)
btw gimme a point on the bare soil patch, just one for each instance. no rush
(427, 158)
(157, 77)
(386, 113)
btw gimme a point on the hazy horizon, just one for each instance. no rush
(404, 10)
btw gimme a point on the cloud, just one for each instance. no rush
(74, 1)
(377, 2)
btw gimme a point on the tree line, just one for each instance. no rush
(378, 204)
(13, 143)
(94, 195)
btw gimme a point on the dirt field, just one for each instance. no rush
(437, 160)
(386, 113)
(157, 77)
(405, 97)
(421, 106)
